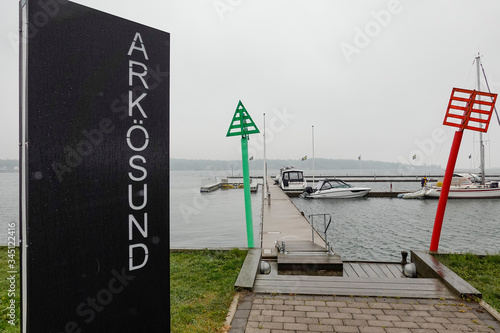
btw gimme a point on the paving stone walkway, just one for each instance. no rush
(264, 313)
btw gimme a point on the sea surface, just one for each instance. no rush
(361, 229)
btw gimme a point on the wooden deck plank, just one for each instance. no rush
(357, 292)
(385, 285)
(429, 288)
(397, 273)
(378, 270)
(359, 271)
(348, 271)
(387, 271)
(369, 270)
(328, 288)
(342, 279)
(249, 270)
(303, 246)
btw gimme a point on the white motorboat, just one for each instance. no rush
(291, 180)
(335, 188)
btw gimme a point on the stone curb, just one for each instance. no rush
(232, 310)
(494, 313)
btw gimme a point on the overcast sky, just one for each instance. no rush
(373, 77)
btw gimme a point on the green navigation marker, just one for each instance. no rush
(242, 124)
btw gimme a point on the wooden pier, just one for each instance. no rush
(307, 267)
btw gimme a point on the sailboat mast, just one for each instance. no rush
(481, 144)
(313, 151)
(264, 167)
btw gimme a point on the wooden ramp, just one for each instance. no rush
(360, 279)
(373, 270)
(347, 286)
(308, 258)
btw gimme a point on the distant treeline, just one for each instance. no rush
(319, 164)
(9, 165)
(358, 166)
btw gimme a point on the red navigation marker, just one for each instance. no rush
(466, 111)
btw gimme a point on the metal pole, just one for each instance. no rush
(264, 170)
(313, 152)
(246, 189)
(481, 144)
(312, 227)
(445, 190)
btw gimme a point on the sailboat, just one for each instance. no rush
(469, 185)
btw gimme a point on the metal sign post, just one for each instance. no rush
(464, 111)
(242, 124)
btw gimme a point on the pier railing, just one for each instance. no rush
(326, 226)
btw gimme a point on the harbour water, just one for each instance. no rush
(9, 185)
(362, 229)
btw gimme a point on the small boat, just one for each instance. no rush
(470, 186)
(417, 194)
(291, 180)
(334, 188)
(463, 186)
(466, 186)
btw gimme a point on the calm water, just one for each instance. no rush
(362, 229)
(9, 185)
(380, 228)
(215, 219)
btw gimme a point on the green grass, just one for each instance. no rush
(482, 272)
(202, 288)
(7, 259)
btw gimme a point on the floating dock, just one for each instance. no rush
(225, 184)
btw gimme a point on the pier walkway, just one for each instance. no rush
(283, 222)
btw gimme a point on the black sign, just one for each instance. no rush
(96, 155)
